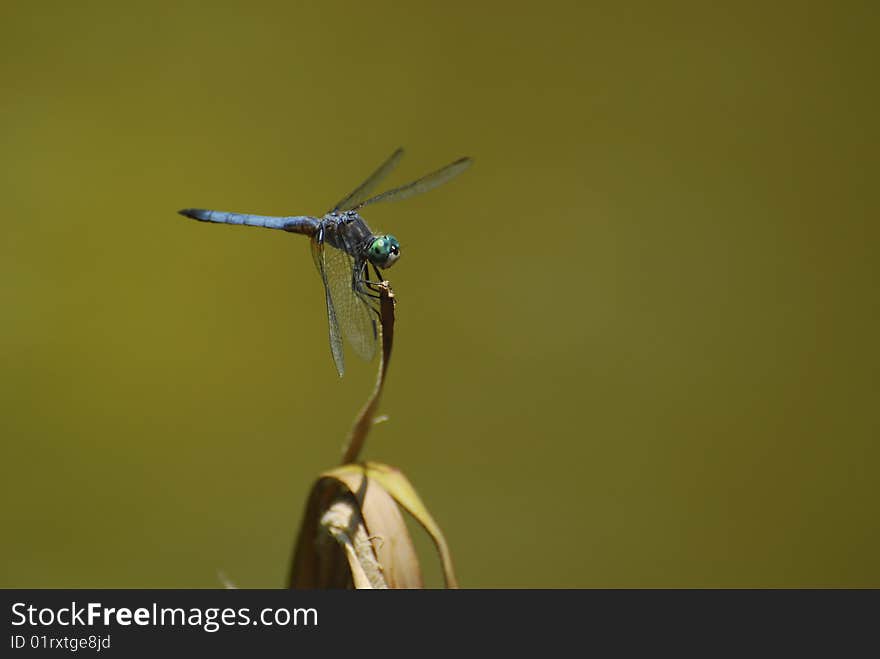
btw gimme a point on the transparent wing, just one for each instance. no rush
(365, 188)
(349, 312)
(332, 322)
(428, 182)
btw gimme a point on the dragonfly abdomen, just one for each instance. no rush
(294, 223)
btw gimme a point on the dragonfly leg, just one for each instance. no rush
(370, 300)
(373, 285)
(365, 289)
(370, 288)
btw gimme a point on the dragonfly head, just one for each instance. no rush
(383, 251)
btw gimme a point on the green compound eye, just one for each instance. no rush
(384, 251)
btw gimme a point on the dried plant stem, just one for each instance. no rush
(367, 416)
(345, 525)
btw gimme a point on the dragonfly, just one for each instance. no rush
(344, 249)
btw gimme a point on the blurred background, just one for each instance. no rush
(636, 341)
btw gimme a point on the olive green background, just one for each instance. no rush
(636, 341)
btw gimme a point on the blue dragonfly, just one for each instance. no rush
(344, 249)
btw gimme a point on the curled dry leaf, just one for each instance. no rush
(399, 487)
(374, 517)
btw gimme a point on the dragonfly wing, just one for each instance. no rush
(349, 309)
(354, 311)
(332, 321)
(365, 188)
(427, 182)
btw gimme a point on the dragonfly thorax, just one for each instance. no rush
(347, 231)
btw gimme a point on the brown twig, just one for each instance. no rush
(366, 418)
